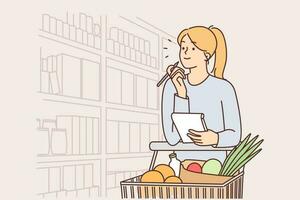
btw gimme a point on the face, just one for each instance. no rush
(190, 55)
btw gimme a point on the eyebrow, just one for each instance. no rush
(182, 41)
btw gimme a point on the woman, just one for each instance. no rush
(202, 92)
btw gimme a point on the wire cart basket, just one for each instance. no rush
(134, 188)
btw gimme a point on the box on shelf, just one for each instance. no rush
(58, 141)
(110, 46)
(54, 179)
(43, 141)
(114, 33)
(46, 22)
(116, 48)
(90, 80)
(69, 177)
(97, 29)
(97, 42)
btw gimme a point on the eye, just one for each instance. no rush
(193, 48)
(183, 48)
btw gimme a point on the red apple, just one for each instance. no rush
(194, 167)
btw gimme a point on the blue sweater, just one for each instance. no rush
(214, 97)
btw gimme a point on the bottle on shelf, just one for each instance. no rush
(174, 163)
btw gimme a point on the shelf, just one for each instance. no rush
(132, 63)
(75, 44)
(93, 103)
(129, 155)
(71, 100)
(66, 158)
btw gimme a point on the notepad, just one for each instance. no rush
(185, 121)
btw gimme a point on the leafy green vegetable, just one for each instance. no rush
(240, 155)
(233, 154)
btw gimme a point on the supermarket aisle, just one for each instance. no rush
(100, 103)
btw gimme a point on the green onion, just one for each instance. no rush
(244, 157)
(242, 151)
(240, 155)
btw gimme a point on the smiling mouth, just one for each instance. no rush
(187, 58)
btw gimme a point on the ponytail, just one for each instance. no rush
(220, 53)
(210, 40)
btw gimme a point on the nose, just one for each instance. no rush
(186, 50)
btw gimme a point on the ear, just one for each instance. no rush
(207, 55)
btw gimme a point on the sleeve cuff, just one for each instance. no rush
(181, 104)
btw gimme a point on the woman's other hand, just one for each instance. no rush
(202, 138)
(177, 75)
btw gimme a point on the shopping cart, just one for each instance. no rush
(134, 188)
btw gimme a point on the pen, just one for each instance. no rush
(166, 76)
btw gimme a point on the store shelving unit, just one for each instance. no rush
(100, 104)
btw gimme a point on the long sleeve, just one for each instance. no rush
(231, 134)
(172, 103)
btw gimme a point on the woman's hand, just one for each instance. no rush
(202, 138)
(177, 75)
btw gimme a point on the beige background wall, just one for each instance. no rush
(263, 41)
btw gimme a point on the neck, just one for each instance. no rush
(198, 74)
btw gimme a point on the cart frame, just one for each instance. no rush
(133, 188)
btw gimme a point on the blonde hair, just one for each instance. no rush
(212, 42)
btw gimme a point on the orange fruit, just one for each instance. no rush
(165, 170)
(152, 176)
(173, 179)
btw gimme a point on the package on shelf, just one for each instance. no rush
(50, 63)
(134, 137)
(89, 24)
(142, 45)
(131, 40)
(54, 83)
(153, 62)
(124, 137)
(79, 177)
(69, 177)
(58, 141)
(132, 54)
(117, 48)
(143, 59)
(122, 50)
(52, 25)
(71, 76)
(83, 143)
(79, 35)
(127, 52)
(59, 28)
(43, 180)
(90, 80)
(49, 124)
(147, 47)
(127, 89)
(89, 135)
(85, 37)
(91, 40)
(126, 38)
(148, 60)
(97, 29)
(65, 122)
(54, 179)
(120, 36)
(136, 43)
(112, 137)
(114, 33)
(88, 176)
(96, 136)
(138, 56)
(66, 30)
(82, 21)
(141, 91)
(110, 46)
(76, 134)
(73, 33)
(43, 141)
(97, 42)
(113, 85)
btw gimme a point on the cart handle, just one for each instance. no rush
(164, 146)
